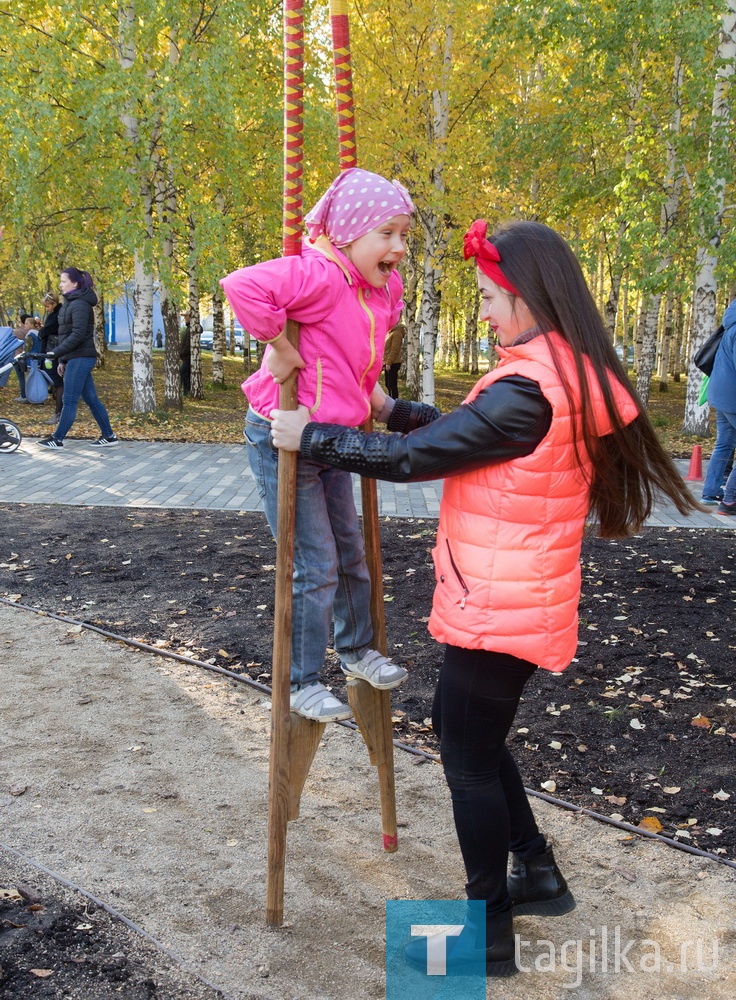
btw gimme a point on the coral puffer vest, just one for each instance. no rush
(507, 559)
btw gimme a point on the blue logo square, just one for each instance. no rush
(430, 954)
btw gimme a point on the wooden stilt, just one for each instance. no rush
(372, 708)
(283, 728)
(294, 740)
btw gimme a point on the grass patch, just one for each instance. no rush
(219, 416)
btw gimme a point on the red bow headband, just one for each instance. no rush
(486, 255)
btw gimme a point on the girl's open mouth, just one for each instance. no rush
(386, 267)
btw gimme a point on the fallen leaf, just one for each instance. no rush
(20, 789)
(626, 873)
(615, 800)
(549, 786)
(671, 789)
(701, 721)
(722, 796)
(652, 824)
(635, 724)
(42, 973)
(714, 831)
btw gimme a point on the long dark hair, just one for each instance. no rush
(630, 466)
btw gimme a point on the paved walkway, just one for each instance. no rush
(205, 476)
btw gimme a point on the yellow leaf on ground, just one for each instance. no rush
(701, 721)
(652, 824)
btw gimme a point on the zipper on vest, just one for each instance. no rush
(458, 574)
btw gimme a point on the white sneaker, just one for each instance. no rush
(314, 701)
(377, 669)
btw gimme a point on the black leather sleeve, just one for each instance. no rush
(506, 420)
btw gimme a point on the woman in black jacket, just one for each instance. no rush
(77, 358)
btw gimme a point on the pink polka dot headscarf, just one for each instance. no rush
(355, 203)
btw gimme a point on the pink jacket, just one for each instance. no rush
(343, 324)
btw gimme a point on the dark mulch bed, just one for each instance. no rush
(642, 726)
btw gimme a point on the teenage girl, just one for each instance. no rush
(553, 435)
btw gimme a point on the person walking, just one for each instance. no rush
(554, 434)
(77, 359)
(185, 355)
(721, 394)
(392, 359)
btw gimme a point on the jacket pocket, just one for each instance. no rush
(448, 573)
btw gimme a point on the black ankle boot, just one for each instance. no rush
(538, 888)
(463, 952)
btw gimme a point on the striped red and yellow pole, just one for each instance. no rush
(371, 708)
(343, 84)
(293, 125)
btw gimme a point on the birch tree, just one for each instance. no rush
(710, 204)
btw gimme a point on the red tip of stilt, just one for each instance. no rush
(695, 472)
(390, 843)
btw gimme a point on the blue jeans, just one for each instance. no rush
(78, 383)
(331, 578)
(722, 452)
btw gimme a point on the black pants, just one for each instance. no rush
(185, 374)
(391, 377)
(475, 703)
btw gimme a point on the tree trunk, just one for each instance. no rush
(195, 325)
(411, 320)
(471, 332)
(436, 235)
(720, 155)
(218, 339)
(648, 354)
(172, 382)
(144, 396)
(100, 342)
(666, 342)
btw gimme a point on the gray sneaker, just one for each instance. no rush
(377, 669)
(314, 701)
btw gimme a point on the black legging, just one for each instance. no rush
(475, 703)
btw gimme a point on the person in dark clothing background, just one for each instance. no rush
(77, 358)
(392, 359)
(185, 356)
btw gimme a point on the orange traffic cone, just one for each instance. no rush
(695, 472)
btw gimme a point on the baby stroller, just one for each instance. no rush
(10, 433)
